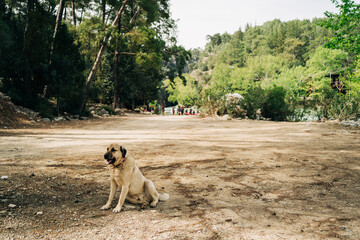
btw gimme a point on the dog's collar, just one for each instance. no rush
(119, 164)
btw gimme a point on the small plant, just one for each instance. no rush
(300, 114)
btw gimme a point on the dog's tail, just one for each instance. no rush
(164, 196)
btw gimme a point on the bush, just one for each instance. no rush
(45, 108)
(233, 108)
(254, 100)
(109, 109)
(300, 114)
(275, 106)
(344, 106)
(211, 108)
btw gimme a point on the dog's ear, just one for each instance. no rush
(123, 151)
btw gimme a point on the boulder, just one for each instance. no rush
(45, 120)
(119, 111)
(5, 97)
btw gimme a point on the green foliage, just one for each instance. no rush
(142, 45)
(233, 108)
(345, 25)
(89, 34)
(219, 84)
(24, 64)
(325, 61)
(344, 107)
(275, 106)
(182, 91)
(45, 108)
(254, 99)
(109, 109)
(280, 68)
(332, 104)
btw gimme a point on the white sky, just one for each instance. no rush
(199, 18)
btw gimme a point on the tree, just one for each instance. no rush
(98, 58)
(326, 61)
(182, 92)
(345, 25)
(57, 25)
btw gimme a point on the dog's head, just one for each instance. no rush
(115, 153)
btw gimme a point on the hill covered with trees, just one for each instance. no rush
(286, 70)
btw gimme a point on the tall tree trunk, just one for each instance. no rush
(98, 57)
(26, 46)
(29, 9)
(65, 15)
(73, 11)
(116, 103)
(9, 14)
(57, 25)
(103, 7)
(81, 15)
(132, 101)
(116, 72)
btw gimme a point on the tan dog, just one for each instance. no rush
(125, 173)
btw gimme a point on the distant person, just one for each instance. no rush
(173, 110)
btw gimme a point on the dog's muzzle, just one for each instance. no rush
(109, 158)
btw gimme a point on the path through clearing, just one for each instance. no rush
(226, 179)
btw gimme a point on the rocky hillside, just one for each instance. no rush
(15, 116)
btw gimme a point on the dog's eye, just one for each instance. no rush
(113, 150)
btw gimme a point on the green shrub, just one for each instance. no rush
(300, 114)
(45, 108)
(275, 106)
(109, 109)
(254, 100)
(233, 108)
(344, 106)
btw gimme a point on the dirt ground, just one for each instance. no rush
(237, 179)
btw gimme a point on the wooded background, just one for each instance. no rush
(58, 55)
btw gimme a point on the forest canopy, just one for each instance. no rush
(56, 56)
(294, 70)
(49, 48)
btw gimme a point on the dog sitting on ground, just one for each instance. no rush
(124, 173)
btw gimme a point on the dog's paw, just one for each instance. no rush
(153, 204)
(144, 205)
(117, 209)
(105, 207)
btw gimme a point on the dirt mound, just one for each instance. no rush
(12, 116)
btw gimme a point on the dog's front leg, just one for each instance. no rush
(123, 194)
(111, 195)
